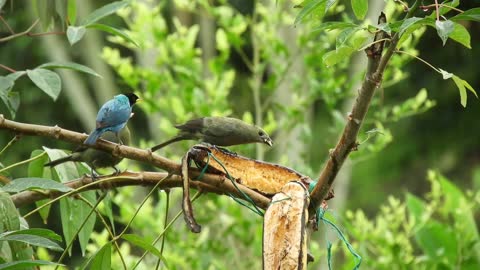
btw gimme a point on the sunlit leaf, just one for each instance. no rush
(333, 57)
(407, 24)
(444, 29)
(310, 7)
(103, 258)
(48, 81)
(360, 8)
(460, 35)
(75, 34)
(38, 232)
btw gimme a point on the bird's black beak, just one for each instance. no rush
(268, 141)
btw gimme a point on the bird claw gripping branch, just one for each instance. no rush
(263, 177)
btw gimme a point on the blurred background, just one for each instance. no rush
(247, 59)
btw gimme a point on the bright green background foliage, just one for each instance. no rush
(292, 67)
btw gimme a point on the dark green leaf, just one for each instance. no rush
(469, 15)
(107, 202)
(444, 29)
(141, 242)
(45, 12)
(333, 57)
(327, 26)
(9, 220)
(25, 264)
(9, 98)
(6, 83)
(32, 183)
(310, 7)
(103, 12)
(360, 8)
(70, 65)
(103, 258)
(66, 171)
(46, 80)
(112, 31)
(38, 232)
(75, 34)
(36, 167)
(33, 240)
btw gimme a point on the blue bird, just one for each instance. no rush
(113, 116)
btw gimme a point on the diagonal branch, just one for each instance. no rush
(348, 140)
(7, 38)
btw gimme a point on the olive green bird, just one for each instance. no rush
(220, 131)
(96, 158)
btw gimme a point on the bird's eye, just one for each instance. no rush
(260, 133)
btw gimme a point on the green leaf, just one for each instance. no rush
(32, 183)
(38, 232)
(333, 57)
(345, 35)
(107, 203)
(330, 3)
(461, 35)
(327, 26)
(72, 12)
(25, 264)
(75, 34)
(311, 7)
(141, 242)
(61, 9)
(36, 167)
(66, 171)
(103, 258)
(48, 81)
(33, 240)
(72, 66)
(103, 12)
(469, 15)
(462, 85)
(407, 24)
(45, 11)
(73, 212)
(437, 241)
(113, 31)
(416, 208)
(444, 29)
(9, 218)
(9, 98)
(360, 8)
(14, 76)
(2, 3)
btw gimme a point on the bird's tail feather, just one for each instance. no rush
(54, 163)
(172, 140)
(93, 137)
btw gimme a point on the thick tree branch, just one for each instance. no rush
(348, 140)
(209, 183)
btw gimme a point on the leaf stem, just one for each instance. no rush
(22, 162)
(12, 141)
(420, 59)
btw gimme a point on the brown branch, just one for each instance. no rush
(209, 183)
(8, 68)
(7, 38)
(348, 140)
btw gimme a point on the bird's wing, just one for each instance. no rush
(192, 126)
(219, 127)
(113, 113)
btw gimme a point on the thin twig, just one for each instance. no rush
(420, 59)
(436, 10)
(22, 162)
(10, 143)
(45, 34)
(7, 38)
(164, 235)
(441, 5)
(8, 68)
(7, 25)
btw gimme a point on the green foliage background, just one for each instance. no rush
(295, 79)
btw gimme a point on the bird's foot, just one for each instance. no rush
(227, 151)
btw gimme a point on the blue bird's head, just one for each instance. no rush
(131, 97)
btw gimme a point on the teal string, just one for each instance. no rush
(358, 258)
